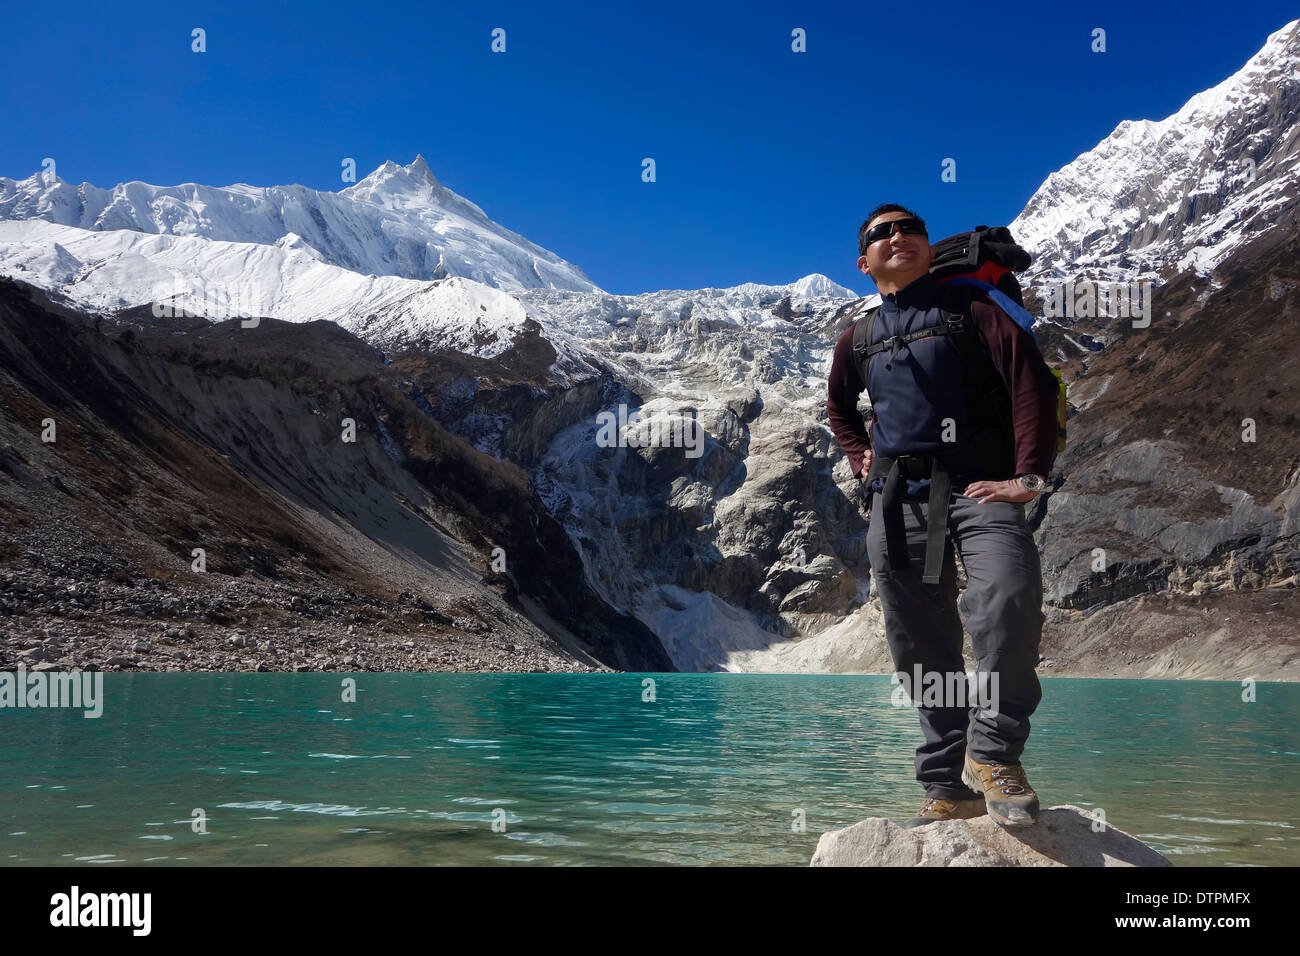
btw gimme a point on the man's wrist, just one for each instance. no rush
(1031, 482)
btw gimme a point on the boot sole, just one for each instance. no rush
(922, 821)
(968, 777)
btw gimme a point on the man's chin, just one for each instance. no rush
(905, 276)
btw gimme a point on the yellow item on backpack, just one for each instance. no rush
(1061, 408)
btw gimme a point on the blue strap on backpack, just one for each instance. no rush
(1003, 301)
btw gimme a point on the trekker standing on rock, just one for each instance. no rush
(964, 430)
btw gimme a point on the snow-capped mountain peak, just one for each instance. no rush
(817, 286)
(1157, 197)
(398, 221)
(392, 179)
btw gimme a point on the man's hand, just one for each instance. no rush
(866, 466)
(1011, 490)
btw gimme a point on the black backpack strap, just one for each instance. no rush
(990, 392)
(862, 332)
(861, 342)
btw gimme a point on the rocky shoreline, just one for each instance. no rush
(58, 623)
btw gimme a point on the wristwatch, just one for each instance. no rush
(1032, 483)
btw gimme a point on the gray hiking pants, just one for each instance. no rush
(1002, 608)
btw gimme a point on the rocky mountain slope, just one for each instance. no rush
(175, 435)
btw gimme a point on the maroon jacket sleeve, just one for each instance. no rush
(1033, 403)
(844, 385)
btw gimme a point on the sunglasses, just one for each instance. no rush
(883, 230)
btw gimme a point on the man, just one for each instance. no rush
(930, 451)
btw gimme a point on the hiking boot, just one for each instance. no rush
(1009, 798)
(941, 808)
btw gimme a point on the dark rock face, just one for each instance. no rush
(1160, 472)
(317, 550)
(1173, 522)
(507, 406)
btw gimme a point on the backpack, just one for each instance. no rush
(971, 265)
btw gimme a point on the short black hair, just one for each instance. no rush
(880, 211)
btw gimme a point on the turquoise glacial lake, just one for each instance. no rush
(581, 769)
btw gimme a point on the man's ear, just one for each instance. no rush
(863, 267)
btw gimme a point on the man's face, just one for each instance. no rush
(898, 259)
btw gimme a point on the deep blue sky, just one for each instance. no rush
(767, 160)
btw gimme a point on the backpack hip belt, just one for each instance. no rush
(914, 467)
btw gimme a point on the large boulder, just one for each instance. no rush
(1064, 836)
